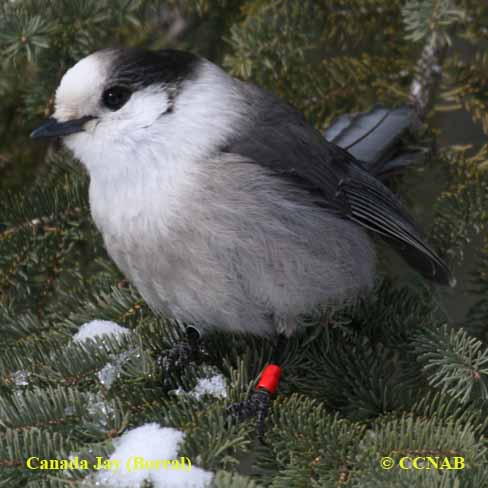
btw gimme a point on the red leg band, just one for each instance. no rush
(270, 378)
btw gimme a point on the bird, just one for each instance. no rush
(218, 200)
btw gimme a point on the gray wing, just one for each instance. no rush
(279, 138)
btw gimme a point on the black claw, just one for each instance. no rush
(256, 406)
(177, 358)
(264, 402)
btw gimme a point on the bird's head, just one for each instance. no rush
(115, 104)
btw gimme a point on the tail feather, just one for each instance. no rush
(377, 138)
(373, 206)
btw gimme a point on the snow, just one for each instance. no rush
(415, 88)
(214, 386)
(20, 377)
(100, 411)
(151, 442)
(111, 371)
(98, 328)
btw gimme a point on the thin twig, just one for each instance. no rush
(428, 73)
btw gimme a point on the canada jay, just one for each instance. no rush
(217, 199)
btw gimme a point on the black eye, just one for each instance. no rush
(115, 97)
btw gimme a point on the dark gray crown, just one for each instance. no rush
(139, 68)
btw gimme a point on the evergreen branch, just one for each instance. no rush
(476, 22)
(84, 416)
(16, 447)
(462, 209)
(429, 19)
(443, 406)
(425, 18)
(308, 443)
(455, 363)
(232, 480)
(364, 379)
(427, 75)
(18, 330)
(409, 435)
(121, 305)
(478, 313)
(42, 222)
(78, 363)
(467, 81)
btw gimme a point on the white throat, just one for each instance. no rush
(141, 171)
(206, 113)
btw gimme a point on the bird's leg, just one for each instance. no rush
(177, 358)
(257, 405)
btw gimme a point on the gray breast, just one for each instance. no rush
(249, 252)
(285, 254)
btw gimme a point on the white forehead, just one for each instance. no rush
(81, 87)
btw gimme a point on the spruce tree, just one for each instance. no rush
(404, 374)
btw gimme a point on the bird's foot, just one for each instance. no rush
(176, 359)
(258, 404)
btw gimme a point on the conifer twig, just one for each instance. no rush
(435, 27)
(428, 73)
(36, 223)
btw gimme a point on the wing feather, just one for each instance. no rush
(279, 138)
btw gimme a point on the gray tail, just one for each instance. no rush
(378, 139)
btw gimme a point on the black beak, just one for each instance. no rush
(53, 128)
